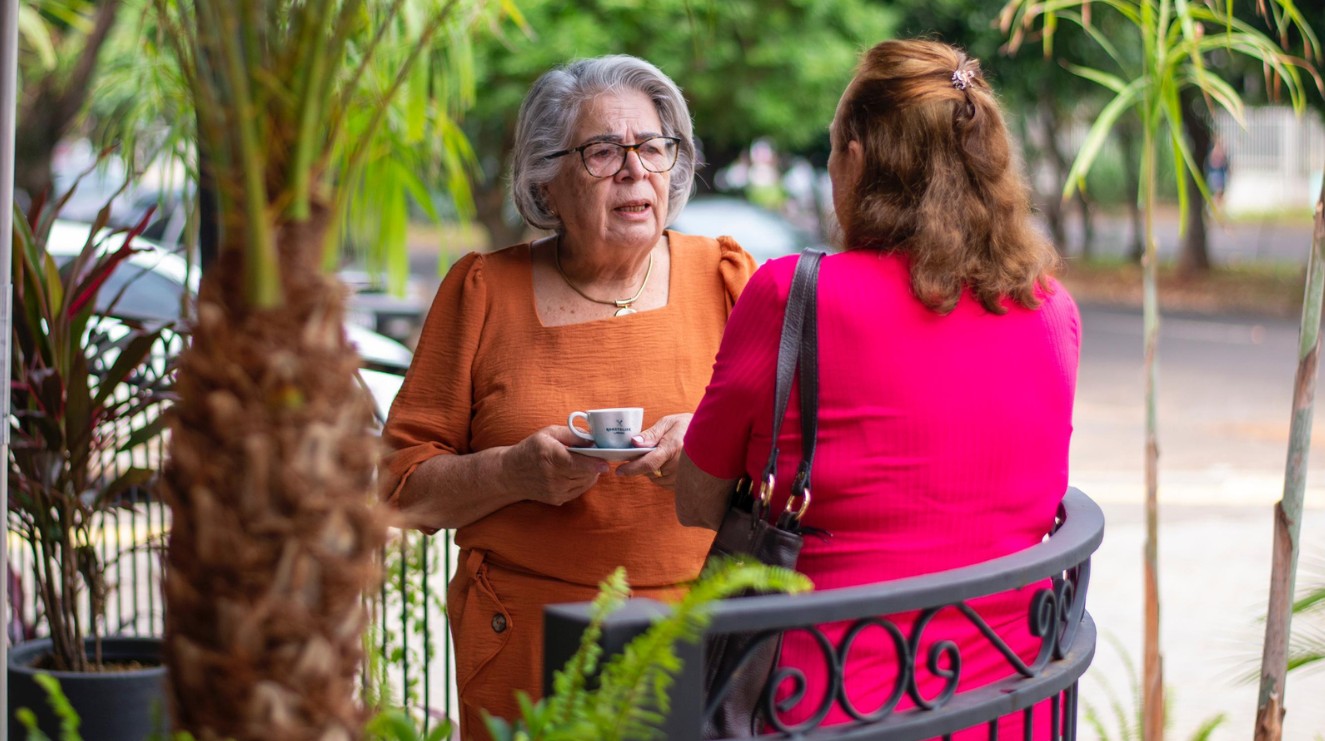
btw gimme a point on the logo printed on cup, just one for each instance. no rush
(609, 428)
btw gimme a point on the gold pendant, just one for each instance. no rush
(623, 311)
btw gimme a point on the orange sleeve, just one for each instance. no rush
(736, 266)
(430, 415)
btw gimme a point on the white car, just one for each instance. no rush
(154, 283)
(763, 233)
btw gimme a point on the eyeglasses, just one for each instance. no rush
(605, 159)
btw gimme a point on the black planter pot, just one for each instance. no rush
(113, 706)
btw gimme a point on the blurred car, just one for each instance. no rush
(166, 204)
(153, 286)
(372, 305)
(763, 233)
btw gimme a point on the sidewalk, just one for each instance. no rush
(1225, 388)
(1248, 240)
(1214, 577)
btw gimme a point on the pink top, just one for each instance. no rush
(943, 440)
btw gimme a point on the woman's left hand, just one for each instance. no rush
(666, 437)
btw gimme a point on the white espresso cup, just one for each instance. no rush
(609, 428)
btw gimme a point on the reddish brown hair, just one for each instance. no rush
(940, 181)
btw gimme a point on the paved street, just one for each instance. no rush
(1225, 390)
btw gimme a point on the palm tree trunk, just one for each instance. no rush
(1152, 689)
(274, 528)
(1288, 512)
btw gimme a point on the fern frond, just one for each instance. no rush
(636, 681)
(568, 683)
(630, 700)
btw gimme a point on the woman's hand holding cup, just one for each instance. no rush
(665, 437)
(544, 469)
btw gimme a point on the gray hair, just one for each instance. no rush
(552, 108)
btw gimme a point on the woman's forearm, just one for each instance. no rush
(451, 491)
(701, 499)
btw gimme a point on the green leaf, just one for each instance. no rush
(28, 720)
(440, 732)
(55, 697)
(144, 434)
(133, 355)
(130, 478)
(1099, 133)
(37, 35)
(1207, 729)
(1112, 82)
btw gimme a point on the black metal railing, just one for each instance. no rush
(410, 627)
(413, 666)
(127, 533)
(1042, 690)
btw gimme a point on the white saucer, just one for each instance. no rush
(611, 454)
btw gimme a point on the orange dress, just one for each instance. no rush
(487, 373)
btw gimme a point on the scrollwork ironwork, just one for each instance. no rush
(1054, 615)
(901, 682)
(892, 641)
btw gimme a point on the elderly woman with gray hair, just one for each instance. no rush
(611, 310)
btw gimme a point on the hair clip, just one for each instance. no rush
(961, 79)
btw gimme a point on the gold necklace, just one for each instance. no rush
(622, 304)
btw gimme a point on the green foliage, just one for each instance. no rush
(70, 722)
(1125, 714)
(43, 28)
(368, 110)
(748, 68)
(85, 392)
(629, 696)
(68, 717)
(1120, 719)
(397, 725)
(1306, 648)
(402, 610)
(1158, 51)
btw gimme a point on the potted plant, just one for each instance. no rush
(86, 389)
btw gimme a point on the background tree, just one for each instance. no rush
(1279, 654)
(60, 46)
(1175, 36)
(1198, 127)
(748, 68)
(1248, 78)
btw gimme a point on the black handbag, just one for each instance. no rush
(739, 665)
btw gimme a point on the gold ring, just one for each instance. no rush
(657, 473)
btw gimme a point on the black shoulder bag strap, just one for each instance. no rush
(809, 393)
(738, 665)
(798, 346)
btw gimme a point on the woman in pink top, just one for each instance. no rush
(947, 367)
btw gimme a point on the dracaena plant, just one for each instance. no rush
(86, 390)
